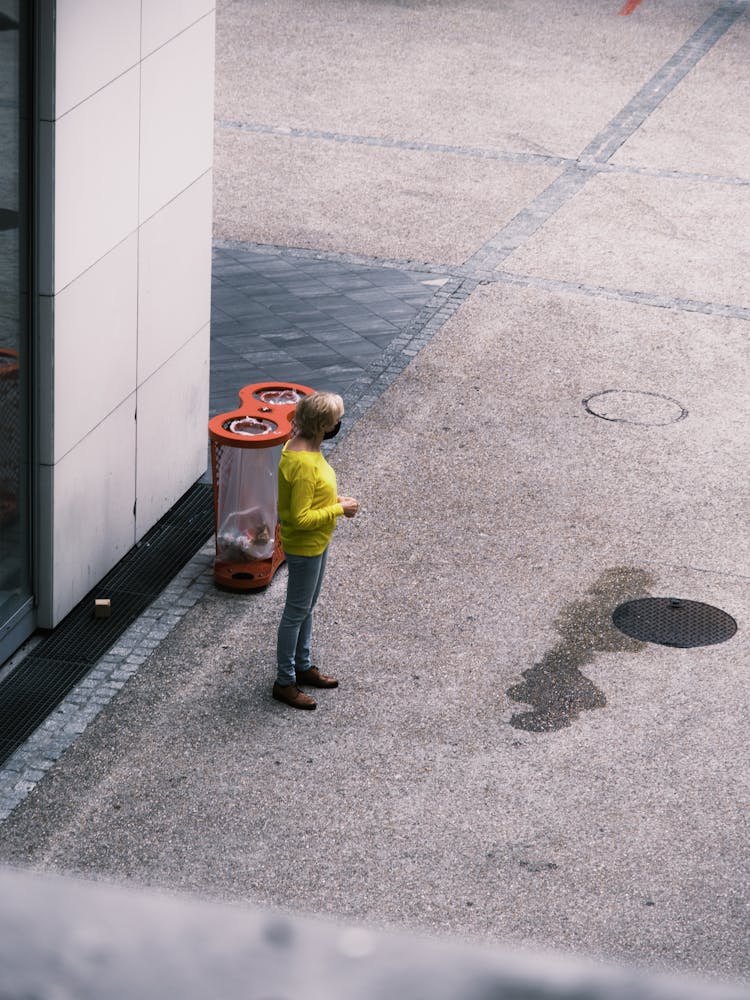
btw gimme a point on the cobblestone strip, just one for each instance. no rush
(28, 765)
(531, 218)
(476, 152)
(381, 374)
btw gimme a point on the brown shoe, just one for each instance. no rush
(314, 679)
(290, 694)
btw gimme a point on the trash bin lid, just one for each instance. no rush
(264, 418)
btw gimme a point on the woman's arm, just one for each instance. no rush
(301, 513)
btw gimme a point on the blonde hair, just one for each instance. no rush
(318, 413)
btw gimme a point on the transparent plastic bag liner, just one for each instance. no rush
(247, 503)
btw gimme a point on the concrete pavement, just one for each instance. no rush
(500, 763)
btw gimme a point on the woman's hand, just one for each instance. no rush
(350, 505)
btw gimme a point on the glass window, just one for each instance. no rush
(15, 540)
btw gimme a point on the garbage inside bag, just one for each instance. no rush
(252, 426)
(244, 535)
(281, 397)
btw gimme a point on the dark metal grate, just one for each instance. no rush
(671, 621)
(8, 219)
(50, 671)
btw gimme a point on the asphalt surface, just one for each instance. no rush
(500, 763)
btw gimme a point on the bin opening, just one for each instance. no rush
(281, 397)
(250, 426)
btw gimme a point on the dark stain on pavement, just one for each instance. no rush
(538, 866)
(555, 686)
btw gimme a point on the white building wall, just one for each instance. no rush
(126, 142)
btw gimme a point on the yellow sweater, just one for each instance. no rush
(308, 502)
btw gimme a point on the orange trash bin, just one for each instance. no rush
(245, 450)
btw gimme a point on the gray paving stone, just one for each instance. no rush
(23, 787)
(325, 323)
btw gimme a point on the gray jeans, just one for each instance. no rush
(295, 630)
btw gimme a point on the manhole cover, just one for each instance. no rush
(672, 621)
(628, 406)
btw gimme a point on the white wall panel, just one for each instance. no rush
(172, 430)
(96, 41)
(44, 374)
(175, 276)
(95, 345)
(163, 19)
(124, 286)
(96, 177)
(93, 494)
(176, 115)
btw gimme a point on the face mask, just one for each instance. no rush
(333, 432)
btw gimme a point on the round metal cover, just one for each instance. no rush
(628, 406)
(671, 621)
(251, 426)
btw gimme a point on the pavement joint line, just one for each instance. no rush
(415, 145)
(671, 175)
(653, 299)
(478, 152)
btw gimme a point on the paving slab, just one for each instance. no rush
(509, 76)
(682, 238)
(316, 322)
(697, 128)
(378, 202)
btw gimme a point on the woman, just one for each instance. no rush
(309, 505)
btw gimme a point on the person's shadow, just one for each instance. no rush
(555, 686)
